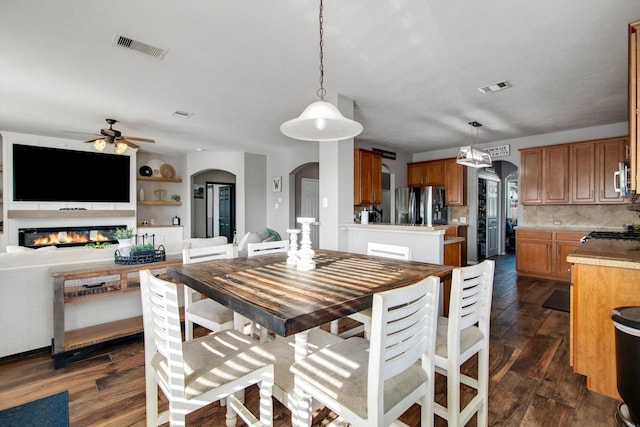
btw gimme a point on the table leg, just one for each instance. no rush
(301, 416)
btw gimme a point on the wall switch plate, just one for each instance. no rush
(463, 219)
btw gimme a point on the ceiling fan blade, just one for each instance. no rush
(130, 144)
(82, 133)
(93, 140)
(133, 138)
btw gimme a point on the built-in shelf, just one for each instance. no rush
(158, 179)
(70, 213)
(159, 202)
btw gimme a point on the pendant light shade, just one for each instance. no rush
(474, 157)
(321, 121)
(100, 144)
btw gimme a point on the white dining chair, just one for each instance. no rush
(464, 333)
(374, 249)
(265, 248)
(205, 312)
(195, 373)
(373, 382)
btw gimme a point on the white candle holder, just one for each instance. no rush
(293, 258)
(305, 253)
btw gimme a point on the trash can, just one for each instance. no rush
(627, 328)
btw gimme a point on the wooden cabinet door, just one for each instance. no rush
(435, 172)
(610, 154)
(367, 178)
(531, 177)
(455, 179)
(416, 174)
(533, 256)
(583, 173)
(561, 266)
(555, 174)
(634, 102)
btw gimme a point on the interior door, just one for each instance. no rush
(492, 218)
(310, 206)
(224, 218)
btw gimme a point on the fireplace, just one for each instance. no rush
(66, 236)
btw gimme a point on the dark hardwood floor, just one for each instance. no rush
(532, 383)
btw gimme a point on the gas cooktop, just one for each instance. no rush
(611, 235)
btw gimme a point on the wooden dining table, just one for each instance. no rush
(286, 301)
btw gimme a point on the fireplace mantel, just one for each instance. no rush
(69, 213)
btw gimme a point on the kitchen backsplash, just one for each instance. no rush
(590, 216)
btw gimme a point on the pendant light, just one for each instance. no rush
(100, 144)
(321, 121)
(474, 157)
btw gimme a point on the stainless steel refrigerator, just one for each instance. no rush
(421, 206)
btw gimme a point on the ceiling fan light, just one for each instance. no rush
(99, 144)
(321, 121)
(120, 147)
(473, 157)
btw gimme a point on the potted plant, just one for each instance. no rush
(142, 250)
(125, 240)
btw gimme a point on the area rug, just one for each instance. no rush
(558, 300)
(50, 411)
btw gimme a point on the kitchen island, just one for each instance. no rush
(427, 243)
(605, 274)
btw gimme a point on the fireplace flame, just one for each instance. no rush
(68, 237)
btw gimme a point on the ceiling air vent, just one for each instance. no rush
(495, 87)
(144, 48)
(181, 113)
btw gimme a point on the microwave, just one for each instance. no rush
(622, 180)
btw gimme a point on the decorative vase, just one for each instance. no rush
(124, 246)
(141, 194)
(292, 258)
(305, 253)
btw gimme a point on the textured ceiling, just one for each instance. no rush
(242, 67)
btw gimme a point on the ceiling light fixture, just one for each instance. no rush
(120, 147)
(321, 120)
(100, 144)
(474, 157)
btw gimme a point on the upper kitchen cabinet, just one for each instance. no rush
(367, 177)
(531, 176)
(455, 178)
(634, 103)
(575, 173)
(426, 173)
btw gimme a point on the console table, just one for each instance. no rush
(75, 284)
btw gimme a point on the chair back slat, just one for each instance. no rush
(264, 248)
(207, 253)
(469, 289)
(389, 251)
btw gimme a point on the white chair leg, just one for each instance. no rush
(266, 403)
(152, 399)
(176, 414)
(230, 418)
(334, 327)
(453, 394)
(483, 387)
(188, 330)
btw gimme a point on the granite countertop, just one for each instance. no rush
(608, 253)
(403, 227)
(585, 230)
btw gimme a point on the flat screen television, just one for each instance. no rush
(45, 174)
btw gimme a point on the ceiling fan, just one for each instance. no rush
(113, 136)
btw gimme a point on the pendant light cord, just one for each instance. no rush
(321, 92)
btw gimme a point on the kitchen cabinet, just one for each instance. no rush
(555, 174)
(545, 175)
(634, 102)
(531, 177)
(426, 173)
(459, 231)
(610, 153)
(367, 177)
(543, 253)
(573, 173)
(455, 179)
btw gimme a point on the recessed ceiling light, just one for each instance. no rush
(495, 87)
(200, 149)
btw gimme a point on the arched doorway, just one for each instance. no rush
(213, 208)
(304, 192)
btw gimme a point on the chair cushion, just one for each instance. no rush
(217, 359)
(468, 337)
(341, 370)
(211, 310)
(284, 351)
